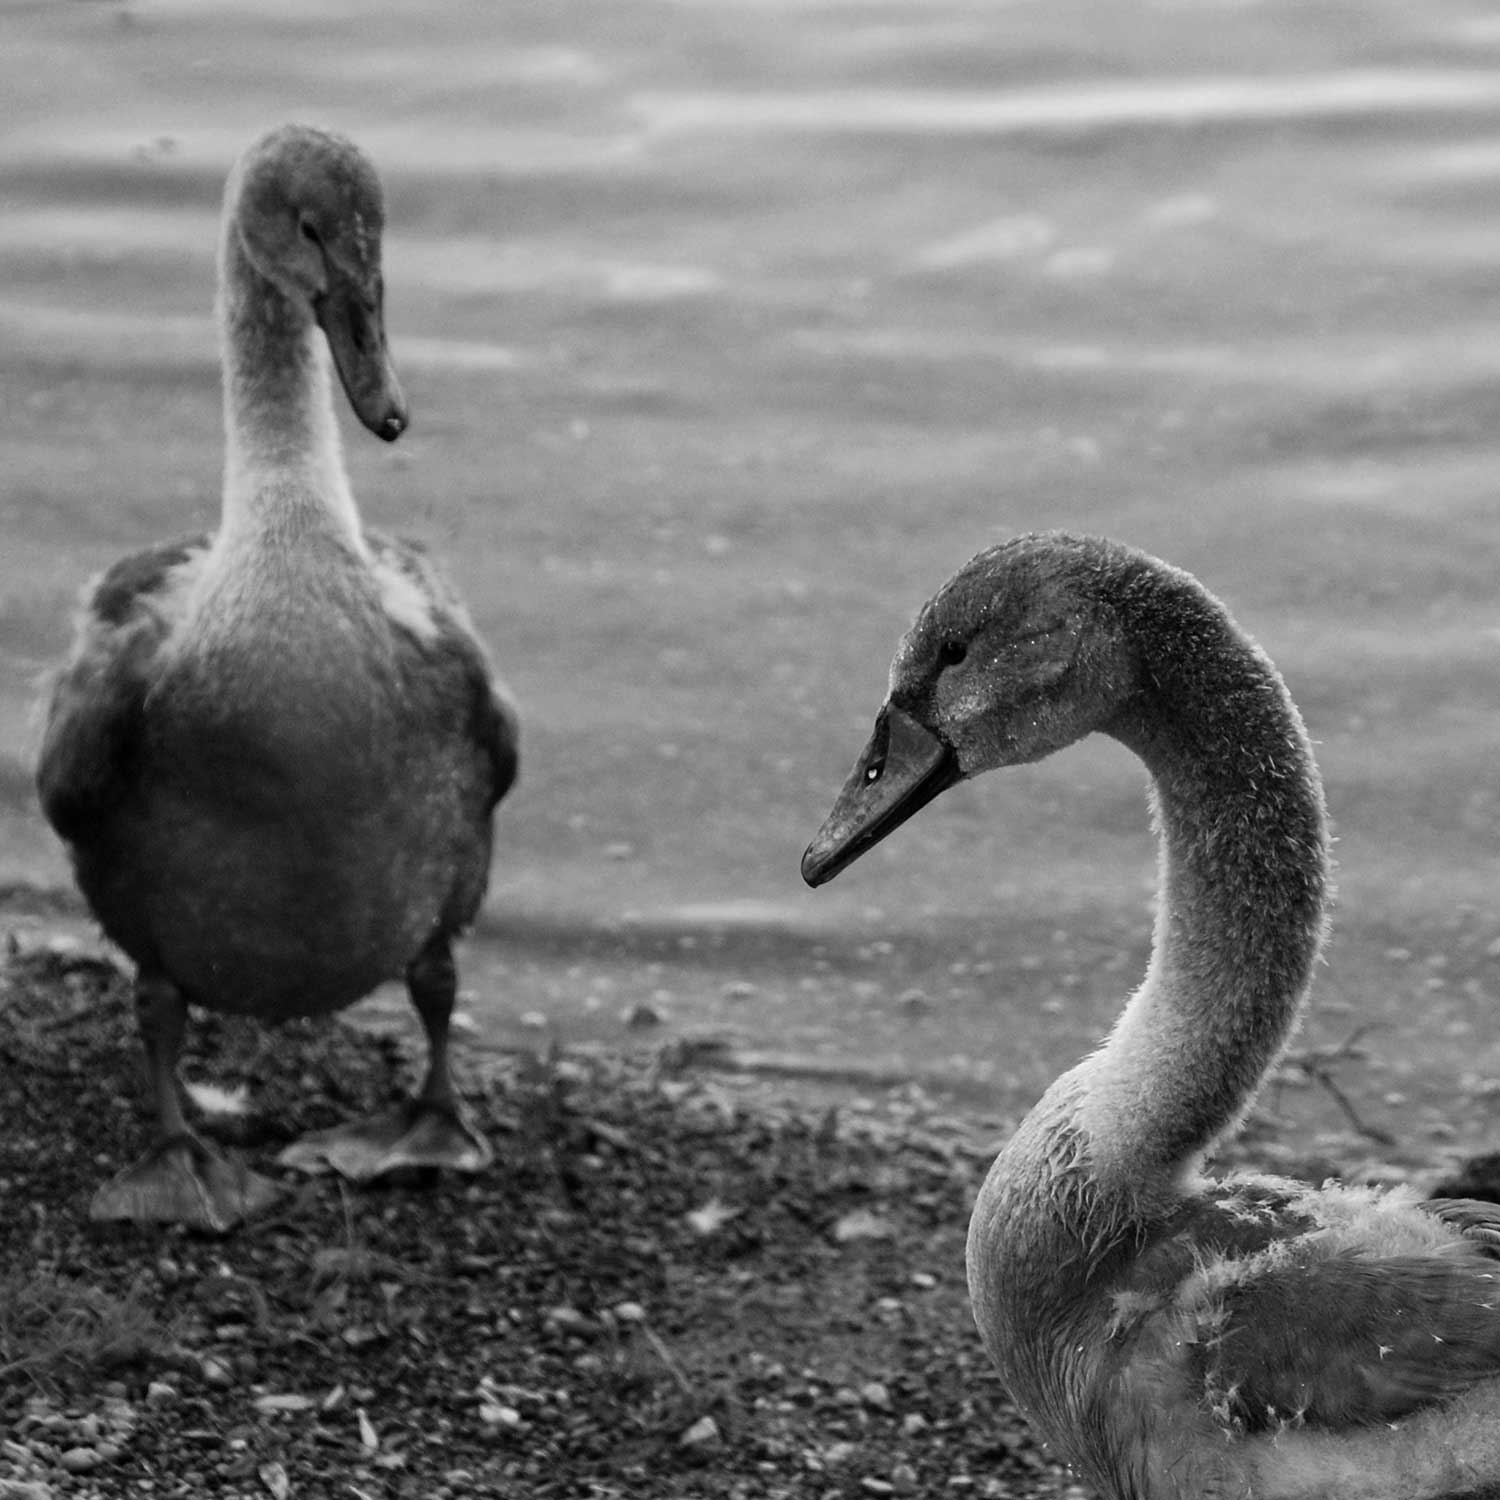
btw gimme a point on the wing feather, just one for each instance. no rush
(97, 700)
(436, 620)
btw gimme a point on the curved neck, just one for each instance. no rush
(283, 462)
(1244, 876)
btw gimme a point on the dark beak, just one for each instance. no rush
(900, 771)
(355, 327)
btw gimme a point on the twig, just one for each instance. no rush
(665, 1356)
(1317, 1063)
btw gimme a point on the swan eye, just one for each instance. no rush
(951, 652)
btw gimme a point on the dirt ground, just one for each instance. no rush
(665, 1287)
(673, 1282)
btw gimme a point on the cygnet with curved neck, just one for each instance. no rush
(1172, 1335)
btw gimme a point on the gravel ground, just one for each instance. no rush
(667, 1285)
(662, 1287)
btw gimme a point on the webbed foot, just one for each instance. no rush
(184, 1180)
(418, 1133)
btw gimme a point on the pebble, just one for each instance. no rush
(159, 1393)
(288, 1401)
(913, 1424)
(904, 1478)
(703, 1435)
(568, 1320)
(874, 1393)
(80, 1460)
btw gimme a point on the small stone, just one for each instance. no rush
(913, 1424)
(501, 1417)
(872, 1486)
(874, 1393)
(846, 1395)
(642, 1015)
(80, 1460)
(214, 1370)
(839, 1453)
(923, 1280)
(274, 1476)
(740, 989)
(904, 1479)
(862, 1224)
(703, 1436)
(159, 1393)
(914, 1002)
(629, 1312)
(568, 1320)
(289, 1401)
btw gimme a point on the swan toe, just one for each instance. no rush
(183, 1180)
(415, 1134)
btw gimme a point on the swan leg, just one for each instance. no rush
(429, 1130)
(181, 1179)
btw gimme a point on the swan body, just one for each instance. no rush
(1176, 1336)
(274, 751)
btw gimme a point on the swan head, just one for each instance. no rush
(309, 211)
(1019, 654)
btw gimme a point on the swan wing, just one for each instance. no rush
(1474, 1218)
(1349, 1338)
(1267, 1303)
(435, 625)
(95, 710)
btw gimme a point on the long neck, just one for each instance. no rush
(1243, 883)
(284, 465)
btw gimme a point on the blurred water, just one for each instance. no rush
(731, 327)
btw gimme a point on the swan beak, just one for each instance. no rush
(898, 773)
(354, 324)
